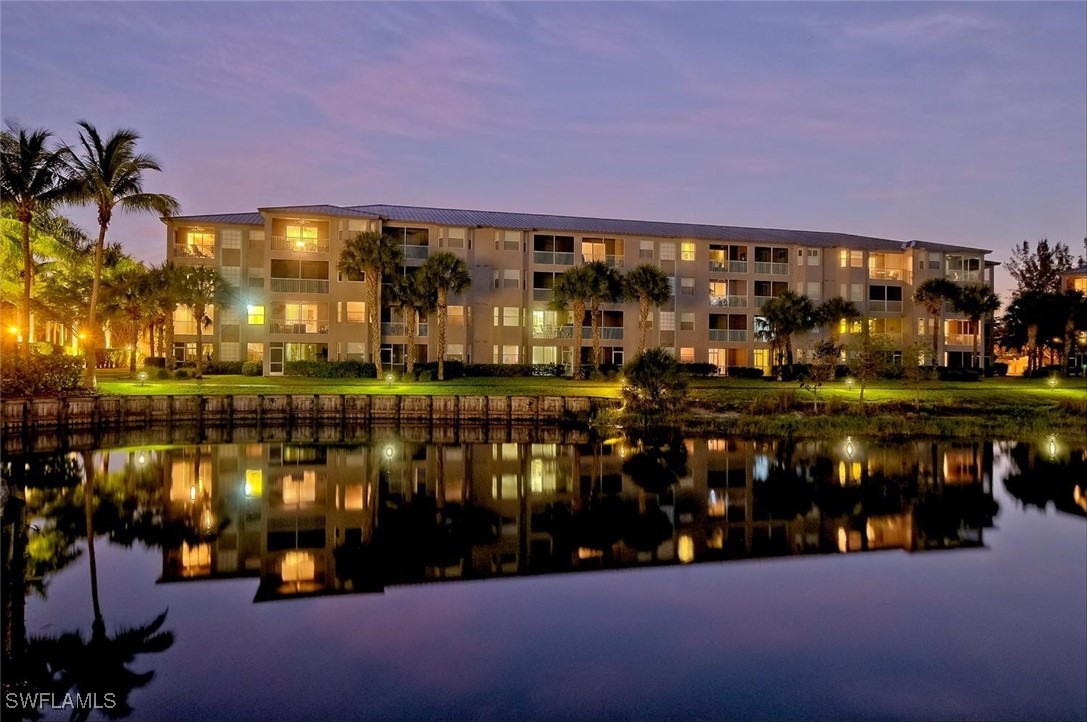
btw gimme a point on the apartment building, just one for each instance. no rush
(294, 305)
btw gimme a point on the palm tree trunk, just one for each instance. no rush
(374, 316)
(198, 313)
(168, 342)
(413, 320)
(578, 309)
(1069, 335)
(88, 510)
(28, 273)
(1032, 347)
(977, 330)
(14, 577)
(443, 299)
(93, 331)
(594, 321)
(135, 346)
(935, 339)
(643, 322)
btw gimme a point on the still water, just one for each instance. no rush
(666, 578)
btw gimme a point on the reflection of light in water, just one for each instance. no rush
(686, 548)
(1052, 447)
(388, 452)
(849, 446)
(206, 519)
(761, 469)
(843, 539)
(1080, 497)
(142, 459)
(192, 493)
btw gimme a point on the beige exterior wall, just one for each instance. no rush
(292, 275)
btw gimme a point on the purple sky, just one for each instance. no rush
(958, 123)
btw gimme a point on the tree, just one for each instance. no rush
(204, 286)
(109, 174)
(371, 256)
(573, 289)
(168, 281)
(33, 179)
(129, 297)
(1032, 320)
(832, 312)
(825, 355)
(976, 301)
(651, 286)
(933, 294)
(870, 359)
(445, 273)
(606, 286)
(653, 387)
(785, 315)
(415, 298)
(1038, 270)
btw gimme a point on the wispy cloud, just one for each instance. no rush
(923, 28)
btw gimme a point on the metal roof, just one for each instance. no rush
(321, 210)
(241, 219)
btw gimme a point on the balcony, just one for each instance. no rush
(959, 339)
(554, 258)
(300, 245)
(964, 276)
(298, 285)
(607, 333)
(608, 260)
(728, 266)
(760, 301)
(316, 328)
(401, 329)
(542, 294)
(550, 331)
(885, 306)
(772, 269)
(886, 274)
(185, 250)
(728, 334)
(415, 253)
(729, 301)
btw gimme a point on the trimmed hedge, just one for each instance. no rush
(154, 362)
(745, 372)
(213, 368)
(331, 369)
(252, 368)
(943, 373)
(699, 369)
(42, 376)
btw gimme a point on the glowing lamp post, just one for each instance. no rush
(142, 376)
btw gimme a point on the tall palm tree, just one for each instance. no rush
(933, 294)
(204, 286)
(33, 178)
(169, 284)
(650, 285)
(109, 175)
(129, 297)
(414, 298)
(976, 301)
(833, 311)
(445, 273)
(573, 290)
(373, 256)
(786, 314)
(607, 287)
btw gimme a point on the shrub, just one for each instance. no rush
(1044, 372)
(699, 369)
(548, 370)
(155, 362)
(162, 374)
(944, 373)
(654, 389)
(331, 369)
(425, 375)
(213, 368)
(498, 370)
(841, 371)
(41, 376)
(453, 369)
(183, 373)
(605, 370)
(252, 368)
(745, 372)
(999, 369)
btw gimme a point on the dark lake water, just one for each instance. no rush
(673, 578)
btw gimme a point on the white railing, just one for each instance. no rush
(959, 339)
(548, 331)
(772, 269)
(760, 301)
(724, 266)
(393, 329)
(415, 253)
(300, 245)
(298, 285)
(885, 306)
(727, 334)
(554, 258)
(304, 327)
(542, 294)
(964, 276)
(729, 301)
(886, 274)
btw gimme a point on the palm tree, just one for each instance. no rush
(129, 297)
(169, 284)
(975, 302)
(607, 287)
(933, 294)
(833, 311)
(32, 179)
(109, 174)
(446, 274)
(414, 298)
(372, 256)
(204, 286)
(573, 289)
(650, 285)
(786, 314)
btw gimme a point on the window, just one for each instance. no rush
(196, 244)
(229, 351)
(302, 237)
(686, 354)
(229, 317)
(686, 286)
(934, 261)
(507, 240)
(232, 275)
(356, 351)
(354, 312)
(454, 352)
(230, 238)
(254, 352)
(849, 327)
(453, 237)
(814, 290)
(852, 259)
(686, 322)
(856, 292)
(507, 316)
(668, 251)
(668, 320)
(645, 250)
(507, 278)
(507, 354)
(686, 251)
(455, 315)
(256, 315)
(814, 256)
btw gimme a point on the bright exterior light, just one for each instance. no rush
(142, 376)
(82, 336)
(192, 493)
(389, 379)
(849, 446)
(1052, 381)
(388, 452)
(849, 383)
(13, 329)
(142, 458)
(1052, 447)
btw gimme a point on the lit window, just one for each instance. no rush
(254, 482)
(454, 352)
(511, 316)
(254, 352)
(354, 312)
(686, 251)
(302, 237)
(455, 315)
(353, 496)
(256, 315)
(686, 354)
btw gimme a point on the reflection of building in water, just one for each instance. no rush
(311, 519)
(1047, 474)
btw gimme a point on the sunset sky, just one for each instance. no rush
(957, 123)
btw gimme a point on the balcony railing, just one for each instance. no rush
(722, 266)
(729, 301)
(401, 329)
(886, 274)
(885, 306)
(303, 327)
(184, 250)
(760, 301)
(300, 245)
(964, 276)
(728, 334)
(542, 294)
(415, 253)
(298, 285)
(609, 260)
(607, 333)
(959, 339)
(554, 258)
(772, 269)
(549, 331)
